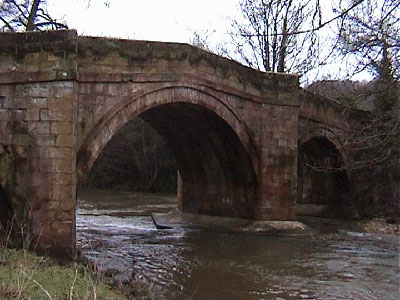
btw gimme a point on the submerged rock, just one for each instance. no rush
(176, 218)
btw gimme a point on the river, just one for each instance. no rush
(115, 230)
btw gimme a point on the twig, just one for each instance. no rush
(72, 285)
(38, 284)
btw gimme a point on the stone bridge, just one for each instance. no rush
(236, 133)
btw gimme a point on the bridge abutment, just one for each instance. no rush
(38, 91)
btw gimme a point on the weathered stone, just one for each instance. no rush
(21, 139)
(63, 165)
(65, 140)
(20, 103)
(41, 128)
(4, 115)
(39, 102)
(235, 131)
(33, 114)
(64, 128)
(3, 102)
(45, 115)
(54, 152)
(45, 140)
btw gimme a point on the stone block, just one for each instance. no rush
(41, 128)
(54, 152)
(64, 89)
(39, 102)
(45, 139)
(4, 115)
(63, 230)
(33, 114)
(18, 114)
(64, 113)
(65, 216)
(3, 102)
(41, 166)
(63, 165)
(120, 62)
(62, 178)
(50, 65)
(64, 102)
(21, 139)
(21, 103)
(84, 88)
(65, 140)
(23, 178)
(63, 192)
(67, 205)
(45, 114)
(39, 90)
(64, 128)
(39, 217)
(19, 127)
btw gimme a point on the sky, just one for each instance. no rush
(159, 20)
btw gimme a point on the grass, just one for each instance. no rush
(25, 275)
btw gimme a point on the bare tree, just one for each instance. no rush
(272, 36)
(27, 15)
(369, 35)
(368, 38)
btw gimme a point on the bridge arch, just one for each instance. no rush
(321, 169)
(214, 152)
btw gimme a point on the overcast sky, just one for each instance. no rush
(160, 20)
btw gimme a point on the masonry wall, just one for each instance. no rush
(37, 133)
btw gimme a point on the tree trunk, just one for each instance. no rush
(30, 26)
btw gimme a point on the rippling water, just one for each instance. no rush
(192, 264)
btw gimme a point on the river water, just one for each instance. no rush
(114, 230)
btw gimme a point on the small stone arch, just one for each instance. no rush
(321, 169)
(327, 133)
(213, 149)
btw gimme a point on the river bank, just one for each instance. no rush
(25, 275)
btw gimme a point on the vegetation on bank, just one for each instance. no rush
(24, 275)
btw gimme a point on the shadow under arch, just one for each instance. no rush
(213, 150)
(5, 209)
(321, 172)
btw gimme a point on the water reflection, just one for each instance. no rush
(191, 264)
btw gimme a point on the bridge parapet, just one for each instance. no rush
(115, 60)
(328, 111)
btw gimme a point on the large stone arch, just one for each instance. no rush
(322, 172)
(213, 149)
